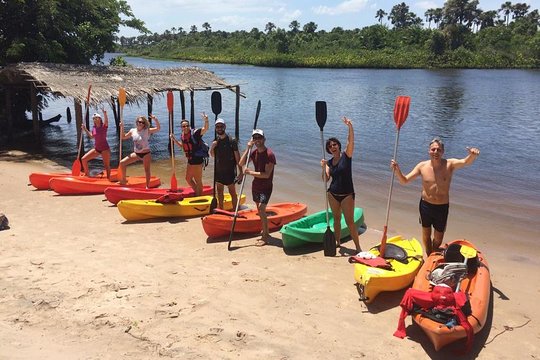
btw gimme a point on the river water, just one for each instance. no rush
(497, 198)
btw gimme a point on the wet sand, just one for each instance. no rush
(79, 282)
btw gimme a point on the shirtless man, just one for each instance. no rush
(436, 176)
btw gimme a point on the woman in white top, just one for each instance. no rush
(141, 146)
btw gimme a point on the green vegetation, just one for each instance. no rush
(462, 36)
(61, 31)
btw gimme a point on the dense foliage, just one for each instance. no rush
(62, 31)
(462, 36)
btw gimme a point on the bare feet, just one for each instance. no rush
(263, 240)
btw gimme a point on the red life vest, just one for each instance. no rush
(441, 297)
(187, 144)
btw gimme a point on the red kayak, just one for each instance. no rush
(41, 180)
(116, 193)
(249, 222)
(79, 185)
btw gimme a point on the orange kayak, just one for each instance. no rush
(476, 284)
(41, 180)
(248, 222)
(79, 185)
(117, 193)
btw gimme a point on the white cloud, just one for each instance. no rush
(424, 5)
(345, 7)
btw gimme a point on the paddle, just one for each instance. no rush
(216, 109)
(170, 106)
(243, 179)
(121, 102)
(401, 110)
(329, 240)
(76, 167)
(468, 253)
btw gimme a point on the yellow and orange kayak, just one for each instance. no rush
(135, 210)
(249, 222)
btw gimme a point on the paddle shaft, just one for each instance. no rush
(216, 109)
(243, 178)
(170, 108)
(325, 181)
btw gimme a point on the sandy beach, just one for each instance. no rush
(78, 282)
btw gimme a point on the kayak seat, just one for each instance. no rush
(453, 254)
(394, 252)
(448, 273)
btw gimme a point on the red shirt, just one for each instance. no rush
(260, 159)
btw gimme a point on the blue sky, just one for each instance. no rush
(231, 15)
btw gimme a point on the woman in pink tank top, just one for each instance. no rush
(101, 146)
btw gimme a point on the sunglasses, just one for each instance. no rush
(219, 126)
(184, 126)
(257, 137)
(140, 122)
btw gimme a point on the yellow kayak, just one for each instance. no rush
(150, 209)
(396, 275)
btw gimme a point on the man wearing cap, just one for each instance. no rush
(436, 174)
(225, 150)
(264, 161)
(101, 146)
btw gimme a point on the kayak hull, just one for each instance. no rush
(71, 185)
(310, 229)
(249, 222)
(371, 281)
(478, 289)
(117, 193)
(41, 180)
(135, 210)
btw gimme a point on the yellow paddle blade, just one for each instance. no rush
(467, 251)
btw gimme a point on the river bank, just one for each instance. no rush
(77, 281)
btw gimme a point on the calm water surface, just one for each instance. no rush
(495, 110)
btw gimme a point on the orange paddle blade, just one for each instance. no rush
(122, 96)
(76, 167)
(170, 100)
(401, 110)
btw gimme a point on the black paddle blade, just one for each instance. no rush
(329, 243)
(257, 115)
(320, 113)
(216, 103)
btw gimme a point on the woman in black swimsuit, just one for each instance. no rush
(341, 190)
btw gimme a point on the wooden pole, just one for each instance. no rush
(9, 112)
(183, 104)
(149, 105)
(237, 115)
(78, 119)
(192, 95)
(35, 118)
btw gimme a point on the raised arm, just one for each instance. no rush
(205, 127)
(123, 135)
(105, 118)
(156, 128)
(349, 150)
(467, 160)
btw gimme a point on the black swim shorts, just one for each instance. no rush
(433, 215)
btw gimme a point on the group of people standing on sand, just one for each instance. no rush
(436, 172)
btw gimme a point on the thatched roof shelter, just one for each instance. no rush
(67, 80)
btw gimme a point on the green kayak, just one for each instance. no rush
(311, 228)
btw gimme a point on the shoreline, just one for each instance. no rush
(77, 279)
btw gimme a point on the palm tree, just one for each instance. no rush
(506, 9)
(429, 16)
(437, 16)
(294, 26)
(520, 10)
(269, 27)
(310, 27)
(380, 14)
(207, 28)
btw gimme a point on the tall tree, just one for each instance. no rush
(506, 9)
(62, 31)
(310, 27)
(294, 26)
(401, 17)
(269, 27)
(380, 15)
(207, 28)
